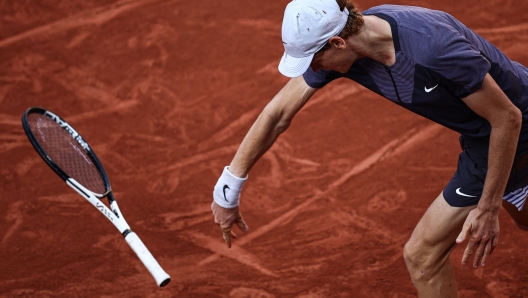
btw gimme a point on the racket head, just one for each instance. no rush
(65, 150)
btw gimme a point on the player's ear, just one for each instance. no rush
(337, 42)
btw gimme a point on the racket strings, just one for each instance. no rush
(60, 146)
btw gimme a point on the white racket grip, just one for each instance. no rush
(161, 277)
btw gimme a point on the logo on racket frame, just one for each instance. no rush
(76, 136)
(104, 210)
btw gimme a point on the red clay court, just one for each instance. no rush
(164, 92)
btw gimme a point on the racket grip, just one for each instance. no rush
(161, 277)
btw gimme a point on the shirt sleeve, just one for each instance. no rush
(321, 78)
(456, 63)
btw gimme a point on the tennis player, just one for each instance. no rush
(427, 62)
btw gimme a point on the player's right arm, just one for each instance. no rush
(273, 120)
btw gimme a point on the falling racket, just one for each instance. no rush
(69, 155)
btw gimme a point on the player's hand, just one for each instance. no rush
(482, 227)
(225, 218)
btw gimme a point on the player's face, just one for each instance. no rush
(337, 59)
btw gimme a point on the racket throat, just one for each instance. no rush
(113, 204)
(113, 214)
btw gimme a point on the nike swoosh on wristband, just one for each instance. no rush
(430, 89)
(463, 194)
(225, 186)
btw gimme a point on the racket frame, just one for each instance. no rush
(114, 214)
(74, 134)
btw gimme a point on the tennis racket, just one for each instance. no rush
(70, 156)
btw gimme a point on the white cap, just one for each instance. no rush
(306, 28)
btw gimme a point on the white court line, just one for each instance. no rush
(236, 253)
(199, 157)
(120, 107)
(96, 16)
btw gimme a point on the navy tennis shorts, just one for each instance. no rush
(465, 188)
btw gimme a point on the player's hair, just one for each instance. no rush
(354, 23)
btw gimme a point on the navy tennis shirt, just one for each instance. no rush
(438, 61)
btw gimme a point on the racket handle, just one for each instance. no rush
(161, 277)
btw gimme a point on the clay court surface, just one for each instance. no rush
(164, 92)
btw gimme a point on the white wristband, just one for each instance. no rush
(227, 190)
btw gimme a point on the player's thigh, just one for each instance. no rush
(435, 235)
(519, 217)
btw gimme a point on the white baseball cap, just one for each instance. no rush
(306, 28)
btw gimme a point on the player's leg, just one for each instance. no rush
(519, 217)
(427, 252)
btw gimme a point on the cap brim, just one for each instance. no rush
(293, 67)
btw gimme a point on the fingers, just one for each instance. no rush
(227, 236)
(487, 252)
(468, 251)
(482, 248)
(479, 253)
(494, 243)
(241, 224)
(483, 231)
(463, 234)
(461, 238)
(225, 218)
